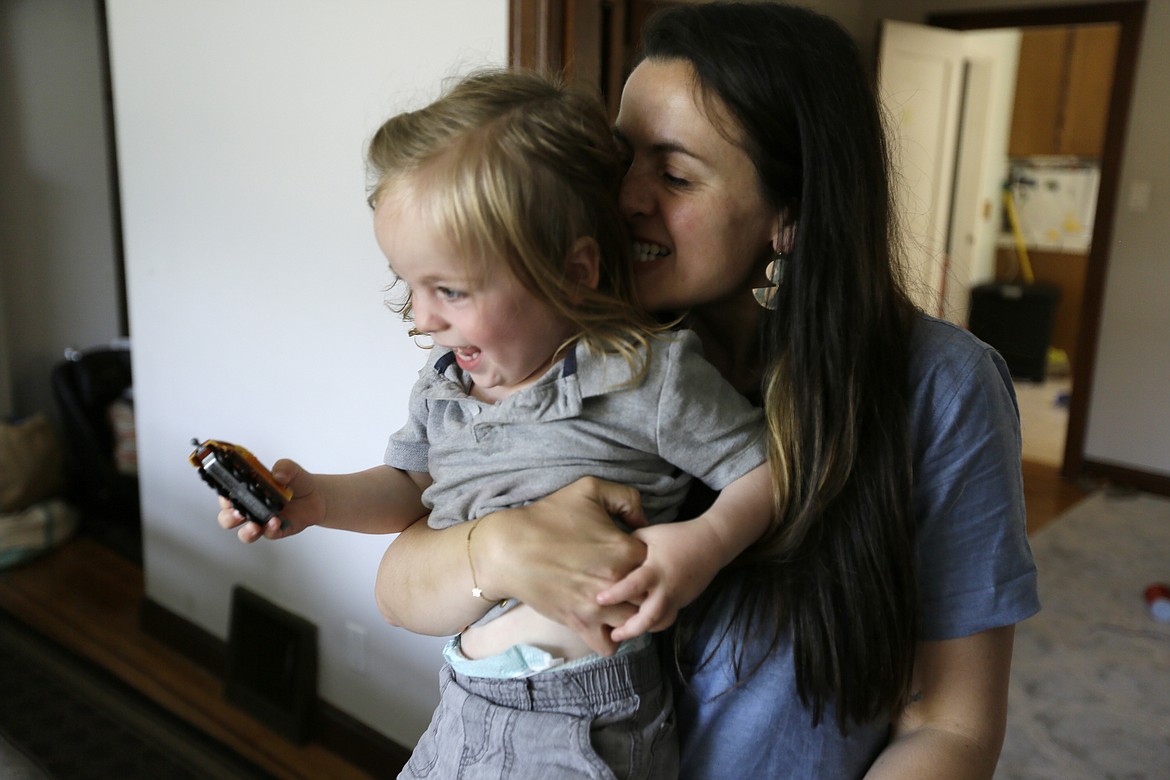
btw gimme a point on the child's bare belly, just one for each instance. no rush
(522, 626)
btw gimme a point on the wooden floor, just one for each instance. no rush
(87, 598)
(1047, 495)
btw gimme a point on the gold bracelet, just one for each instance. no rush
(476, 591)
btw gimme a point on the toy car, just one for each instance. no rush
(239, 477)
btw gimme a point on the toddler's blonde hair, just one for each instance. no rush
(514, 167)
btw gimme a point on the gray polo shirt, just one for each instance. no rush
(577, 420)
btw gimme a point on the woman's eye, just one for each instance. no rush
(674, 181)
(625, 152)
(626, 156)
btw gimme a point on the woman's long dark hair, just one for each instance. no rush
(839, 573)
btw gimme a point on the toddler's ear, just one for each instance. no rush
(583, 264)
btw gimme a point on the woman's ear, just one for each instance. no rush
(583, 263)
(784, 236)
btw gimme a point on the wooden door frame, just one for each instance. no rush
(1130, 16)
(592, 42)
(536, 34)
(565, 36)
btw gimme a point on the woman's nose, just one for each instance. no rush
(634, 197)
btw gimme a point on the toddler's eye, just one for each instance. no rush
(450, 295)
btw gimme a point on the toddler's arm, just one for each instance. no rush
(381, 500)
(682, 558)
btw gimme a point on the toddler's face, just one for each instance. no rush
(502, 335)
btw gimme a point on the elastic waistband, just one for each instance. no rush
(598, 683)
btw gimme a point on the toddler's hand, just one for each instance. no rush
(681, 560)
(303, 510)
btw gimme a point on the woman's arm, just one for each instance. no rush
(955, 722)
(554, 555)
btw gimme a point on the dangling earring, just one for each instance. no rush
(766, 296)
(777, 269)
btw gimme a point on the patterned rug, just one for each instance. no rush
(62, 717)
(1090, 686)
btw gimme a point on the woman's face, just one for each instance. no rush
(702, 230)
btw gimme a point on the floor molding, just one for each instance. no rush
(334, 729)
(1129, 477)
(89, 600)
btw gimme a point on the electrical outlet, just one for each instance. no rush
(355, 646)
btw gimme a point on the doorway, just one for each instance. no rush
(1128, 16)
(998, 136)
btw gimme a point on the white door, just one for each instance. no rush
(940, 88)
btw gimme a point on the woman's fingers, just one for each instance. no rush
(595, 629)
(618, 500)
(557, 553)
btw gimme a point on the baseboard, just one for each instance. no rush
(335, 730)
(1127, 477)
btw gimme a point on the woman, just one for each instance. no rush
(874, 632)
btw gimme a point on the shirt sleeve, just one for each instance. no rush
(705, 427)
(409, 447)
(975, 566)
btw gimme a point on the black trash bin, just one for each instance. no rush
(1017, 320)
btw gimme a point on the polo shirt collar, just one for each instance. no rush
(558, 394)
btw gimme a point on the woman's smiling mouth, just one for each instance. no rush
(646, 251)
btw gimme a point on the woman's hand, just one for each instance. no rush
(554, 555)
(557, 554)
(306, 507)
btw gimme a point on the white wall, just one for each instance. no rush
(1129, 417)
(57, 272)
(256, 291)
(1129, 420)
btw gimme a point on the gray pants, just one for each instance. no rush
(611, 719)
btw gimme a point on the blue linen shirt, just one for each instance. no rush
(975, 572)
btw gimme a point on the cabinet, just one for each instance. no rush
(1063, 88)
